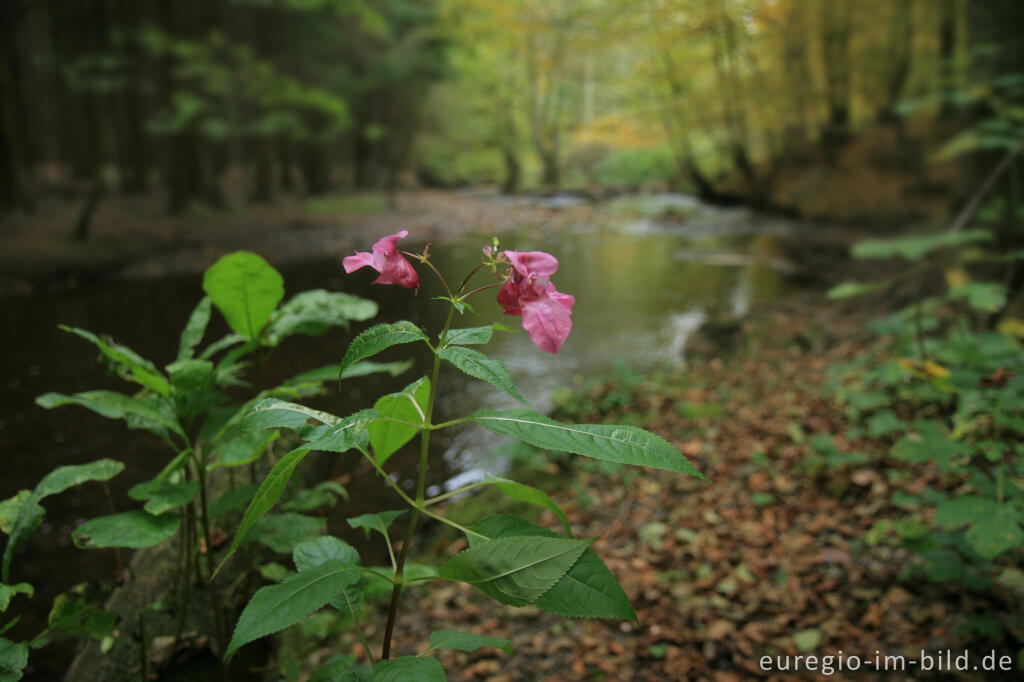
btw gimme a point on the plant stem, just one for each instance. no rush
(445, 496)
(421, 485)
(218, 611)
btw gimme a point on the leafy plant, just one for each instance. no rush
(508, 558)
(944, 387)
(189, 406)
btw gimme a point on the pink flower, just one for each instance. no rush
(530, 293)
(388, 261)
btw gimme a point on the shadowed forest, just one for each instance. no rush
(768, 425)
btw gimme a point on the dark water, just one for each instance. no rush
(640, 289)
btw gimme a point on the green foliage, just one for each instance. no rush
(30, 514)
(515, 570)
(246, 290)
(188, 407)
(378, 338)
(479, 366)
(469, 336)
(408, 668)
(13, 659)
(587, 590)
(620, 444)
(134, 529)
(949, 399)
(465, 641)
(279, 606)
(402, 416)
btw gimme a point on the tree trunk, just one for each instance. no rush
(836, 23)
(14, 192)
(549, 168)
(947, 54)
(510, 185)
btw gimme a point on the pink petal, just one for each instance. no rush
(360, 260)
(547, 322)
(508, 297)
(385, 246)
(397, 270)
(567, 301)
(533, 263)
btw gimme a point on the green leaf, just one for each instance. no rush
(988, 297)
(8, 591)
(409, 406)
(316, 312)
(194, 329)
(9, 509)
(220, 344)
(379, 337)
(620, 444)
(243, 449)
(469, 336)
(266, 497)
(479, 366)
(13, 659)
(170, 496)
(271, 413)
(350, 432)
(958, 511)
(929, 443)
(324, 494)
(914, 247)
(31, 514)
(128, 364)
(588, 590)
(246, 290)
(283, 532)
(852, 289)
(279, 606)
(312, 553)
(378, 521)
(515, 570)
(996, 534)
(112, 405)
(465, 641)
(359, 369)
(408, 669)
(134, 529)
(530, 495)
(807, 640)
(192, 383)
(232, 500)
(77, 612)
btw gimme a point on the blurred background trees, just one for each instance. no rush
(719, 97)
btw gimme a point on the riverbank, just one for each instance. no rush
(133, 237)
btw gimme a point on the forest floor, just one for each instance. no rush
(769, 558)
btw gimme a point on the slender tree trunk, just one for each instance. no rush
(836, 23)
(947, 55)
(14, 193)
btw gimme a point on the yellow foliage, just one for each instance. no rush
(618, 131)
(1011, 326)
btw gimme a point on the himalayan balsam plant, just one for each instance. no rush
(508, 558)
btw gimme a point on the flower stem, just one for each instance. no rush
(421, 484)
